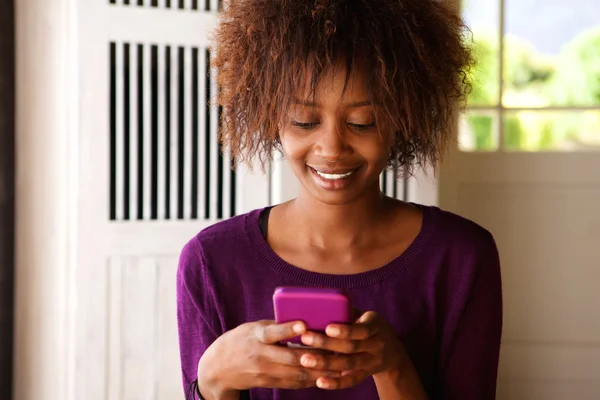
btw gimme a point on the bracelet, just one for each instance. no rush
(193, 392)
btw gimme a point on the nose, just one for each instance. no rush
(331, 144)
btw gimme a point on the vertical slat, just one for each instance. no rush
(187, 167)
(119, 139)
(174, 134)
(213, 146)
(161, 162)
(226, 184)
(201, 132)
(133, 129)
(113, 125)
(147, 132)
(162, 4)
(187, 5)
(214, 5)
(390, 183)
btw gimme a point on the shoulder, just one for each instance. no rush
(461, 245)
(460, 233)
(216, 241)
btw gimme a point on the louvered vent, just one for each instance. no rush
(164, 156)
(392, 185)
(192, 5)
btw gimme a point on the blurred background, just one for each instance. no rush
(109, 163)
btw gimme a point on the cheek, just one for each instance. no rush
(374, 150)
(293, 149)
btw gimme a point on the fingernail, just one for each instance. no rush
(298, 328)
(333, 331)
(307, 340)
(322, 384)
(308, 361)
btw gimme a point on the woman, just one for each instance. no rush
(344, 89)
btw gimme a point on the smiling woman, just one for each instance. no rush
(331, 139)
(344, 89)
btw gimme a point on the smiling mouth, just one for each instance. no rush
(333, 176)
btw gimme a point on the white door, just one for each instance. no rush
(528, 169)
(151, 176)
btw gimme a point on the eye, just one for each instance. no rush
(362, 127)
(305, 125)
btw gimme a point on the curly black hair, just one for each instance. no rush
(414, 54)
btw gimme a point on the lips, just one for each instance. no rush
(332, 179)
(330, 173)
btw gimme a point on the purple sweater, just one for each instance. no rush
(442, 296)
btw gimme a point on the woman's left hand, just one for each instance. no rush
(368, 347)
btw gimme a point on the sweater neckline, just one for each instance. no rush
(299, 276)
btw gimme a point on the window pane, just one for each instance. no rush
(478, 131)
(552, 131)
(551, 53)
(483, 17)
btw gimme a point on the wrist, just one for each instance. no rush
(210, 383)
(212, 390)
(390, 375)
(400, 382)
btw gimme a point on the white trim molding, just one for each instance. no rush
(46, 198)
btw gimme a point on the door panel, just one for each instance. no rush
(151, 176)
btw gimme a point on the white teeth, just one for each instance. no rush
(334, 176)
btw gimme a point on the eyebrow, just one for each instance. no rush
(355, 104)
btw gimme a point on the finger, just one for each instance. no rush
(337, 362)
(278, 383)
(344, 382)
(294, 384)
(284, 356)
(358, 331)
(368, 317)
(324, 342)
(269, 332)
(286, 372)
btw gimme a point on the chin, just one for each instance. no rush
(334, 197)
(335, 200)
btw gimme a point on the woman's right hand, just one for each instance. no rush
(249, 356)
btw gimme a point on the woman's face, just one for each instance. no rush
(332, 144)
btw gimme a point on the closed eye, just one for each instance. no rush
(312, 125)
(362, 127)
(305, 125)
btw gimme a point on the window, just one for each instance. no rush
(536, 86)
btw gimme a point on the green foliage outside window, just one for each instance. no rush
(534, 80)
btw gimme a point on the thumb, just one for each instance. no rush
(356, 314)
(367, 317)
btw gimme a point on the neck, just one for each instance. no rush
(328, 225)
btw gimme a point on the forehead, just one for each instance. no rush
(334, 84)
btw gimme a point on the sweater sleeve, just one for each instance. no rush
(472, 364)
(197, 319)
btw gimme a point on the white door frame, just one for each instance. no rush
(46, 197)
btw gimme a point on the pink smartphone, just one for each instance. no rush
(316, 307)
